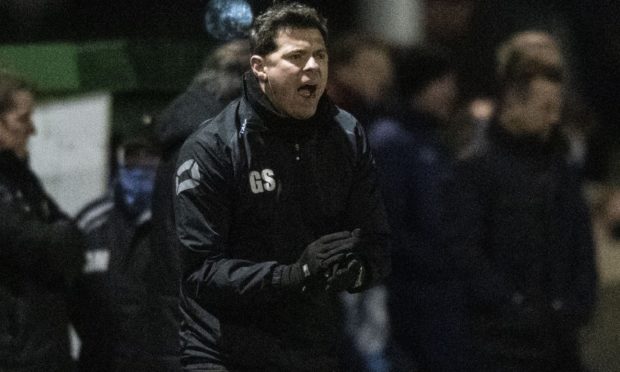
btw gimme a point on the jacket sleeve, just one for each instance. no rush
(203, 205)
(45, 249)
(367, 212)
(466, 235)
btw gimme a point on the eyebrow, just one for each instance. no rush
(302, 50)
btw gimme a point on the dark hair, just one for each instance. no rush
(266, 26)
(9, 84)
(222, 70)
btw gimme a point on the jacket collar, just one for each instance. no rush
(264, 116)
(528, 144)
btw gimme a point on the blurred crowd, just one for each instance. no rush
(493, 251)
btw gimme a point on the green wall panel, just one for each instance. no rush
(119, 66)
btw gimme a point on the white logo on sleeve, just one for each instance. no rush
(263, 181)
(188, 176)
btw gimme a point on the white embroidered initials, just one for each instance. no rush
(263, 181)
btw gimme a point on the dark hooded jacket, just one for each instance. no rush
(41, 252)
(180, 119)
(253, 190)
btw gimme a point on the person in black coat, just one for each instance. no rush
(41, 249)
(212, 89)
(113, 310)
(519, 226)
(278, 210)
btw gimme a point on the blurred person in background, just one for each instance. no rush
(277, 210)
(361, 76)
(518, 223)
(113, 310)
(415, 162)
(41, 251)
(212, 89)
(361, 79)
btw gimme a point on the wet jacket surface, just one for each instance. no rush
(40, 254)
(520, 230)
(253, 190)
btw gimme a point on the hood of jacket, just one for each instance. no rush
(185, 114)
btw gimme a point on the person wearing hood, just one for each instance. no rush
(212, 89)
(112, 310)
(277, 210)
(41, 251)
(518, 225)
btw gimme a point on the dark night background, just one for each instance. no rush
(593, 33)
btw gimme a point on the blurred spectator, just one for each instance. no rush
(518, 223)
(414, 162)
(213, 87)
(41, 250)
(113, 310)
(361, 73)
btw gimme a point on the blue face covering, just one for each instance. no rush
(135, 186)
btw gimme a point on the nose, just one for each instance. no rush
(554, 111)
(29, 128)
(311, 64)
(553, 117)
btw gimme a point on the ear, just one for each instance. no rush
(258, 67)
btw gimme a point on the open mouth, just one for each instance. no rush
(307, 91)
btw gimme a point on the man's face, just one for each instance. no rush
(16, 124)
(538, 111)
(294, 76)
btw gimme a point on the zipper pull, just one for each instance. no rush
(297, 152)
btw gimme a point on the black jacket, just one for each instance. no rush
(520, 231)
(40, 254)
(180, 119)
(115, 311)
(253, 189)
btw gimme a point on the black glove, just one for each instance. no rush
(318, 256)
(346, 275)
